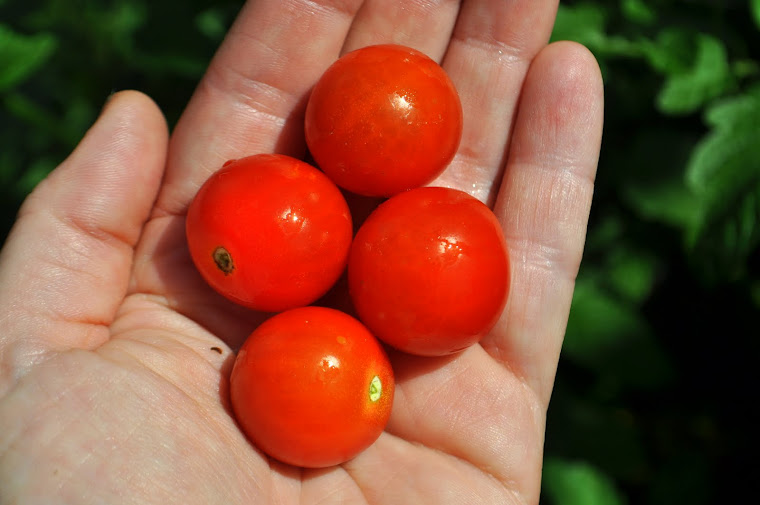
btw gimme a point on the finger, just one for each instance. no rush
(492, 46)
(475, 412)
(65, 267)
(421, 24)
(252, 97)
(394, 470)
(164, 276)
(544, 204)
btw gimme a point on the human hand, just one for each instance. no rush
(114, 355)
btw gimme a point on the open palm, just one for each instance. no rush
(114, 355)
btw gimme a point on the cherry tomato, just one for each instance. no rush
(312, 387)
(383, 119)
(428, 271)
(269, 232)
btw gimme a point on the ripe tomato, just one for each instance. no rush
(269, 232)
(312, 387)
(428, 271)
(383, 119)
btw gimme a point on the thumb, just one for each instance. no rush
(65, 267)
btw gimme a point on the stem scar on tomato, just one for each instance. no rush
(375, 389)
(223, 260)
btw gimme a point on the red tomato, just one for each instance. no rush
(312, 387)
(383, 119)
(428, 271)
(269, 232)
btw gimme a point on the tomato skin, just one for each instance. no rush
(428, 271)
(269, 232)
(301, 385)
(383, 119)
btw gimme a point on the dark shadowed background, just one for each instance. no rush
(659, 370)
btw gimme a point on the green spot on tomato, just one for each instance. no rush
(375, 389)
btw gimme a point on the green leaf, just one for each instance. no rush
(709, 77)
(631, 273)
(583, 23)
(598, 323)
(578, 483)
(638, 11)
(724, 173)
(115, 25)
(671, 52)
(754, 6)
(736, 113)
(22, 55)
(124, 19)
(728, 238)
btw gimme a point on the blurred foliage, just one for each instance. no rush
(653, 393)
(577, 483)
(61, 59)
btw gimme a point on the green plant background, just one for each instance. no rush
(657, 377)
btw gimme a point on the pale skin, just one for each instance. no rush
(114, 355)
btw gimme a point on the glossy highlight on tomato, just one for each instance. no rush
(312, 387)
(428, 271)
(269, 232)
(383, 119)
